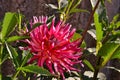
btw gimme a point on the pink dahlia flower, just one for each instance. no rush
(52, 47)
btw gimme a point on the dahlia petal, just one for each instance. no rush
(35, 19)
(67, 28)
(64, 65)
(68, 61)
(42, 60)
(76, 42)
(52, 28)
(71, 33)
(42, 45)
(56, 67)
(49, 65)
(45, 29)
(58, 26)
(62, 43)
(74, 69)
(62, 74)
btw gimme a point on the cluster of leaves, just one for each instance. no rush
(67, 7)
(8, 50)
(107, 36)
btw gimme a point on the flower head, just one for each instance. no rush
(52, 47)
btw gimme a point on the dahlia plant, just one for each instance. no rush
(53, 48)
(43, 48)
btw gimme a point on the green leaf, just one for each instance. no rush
(77, 3)
(116, 17)
(118, 24)
(34, 26)
(109, 51)
(116, 33)
(25, 55)
(116, 54)
(98, 26)
(35, 69)
(14, 38)
(9, 23)
(50, 19)
(78, 10)
(75, 36)
(89, 65)
(13, 54)
(19, 17)
(4, 58)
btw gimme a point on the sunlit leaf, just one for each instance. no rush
(109, 51)
(89, 65)
(35, 69)
(13, 54)
(14, 38)
(8, 25)
(98, 26)
(116, 17)
(78, 10)
(75, 36)
(118, 24)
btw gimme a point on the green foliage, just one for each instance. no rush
(89, 65)
(78, 10)
(109, 51)
(78, 36)
(98, 26)
(15, 38)
(8, 25)
(35, 69)
(13, 54)
(75, 36)
(25, 57)
(67, 7)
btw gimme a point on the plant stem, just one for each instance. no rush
(1, 51)
(105, 39)
(14, 77)
(67, 10)
(84, 34)
(89, 21)
(97, 68)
